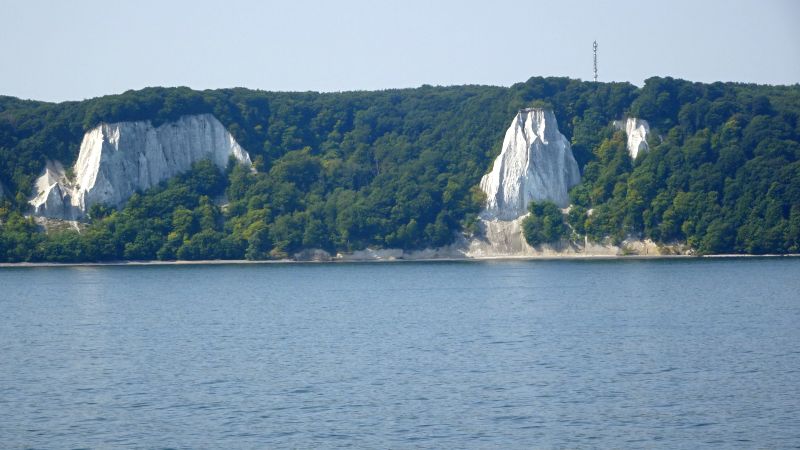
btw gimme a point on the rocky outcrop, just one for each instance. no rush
(51, 191)
(536, 163)
(513, 245)
(637, 131)
(499, 238)
(504, 239)
(118, 159)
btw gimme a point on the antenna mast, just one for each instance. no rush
(594, 46)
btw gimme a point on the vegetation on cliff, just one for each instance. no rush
(399, 168)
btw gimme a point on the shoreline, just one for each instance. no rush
(221, 262)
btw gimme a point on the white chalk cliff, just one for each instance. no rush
(536, 163)
(637, 131)
(118, 159)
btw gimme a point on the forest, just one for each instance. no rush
(400, 169)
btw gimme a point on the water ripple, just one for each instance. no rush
(644, 354)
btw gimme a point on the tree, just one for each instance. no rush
(544, 224)
(401, 168)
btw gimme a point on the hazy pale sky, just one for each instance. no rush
(71, 50)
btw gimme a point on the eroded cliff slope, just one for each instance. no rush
(636, 130)
(536, 163)
(118, 159)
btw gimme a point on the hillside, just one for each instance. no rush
(401, 168)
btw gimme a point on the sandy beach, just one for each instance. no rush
(388, 260)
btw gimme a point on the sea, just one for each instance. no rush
(676, 353)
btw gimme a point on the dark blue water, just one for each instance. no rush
(671, 354)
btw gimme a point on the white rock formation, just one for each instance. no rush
(51, 189)
(637, 131)
(500, 238)
(118, 159)
(536, 163)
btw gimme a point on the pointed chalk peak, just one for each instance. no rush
(536, 163)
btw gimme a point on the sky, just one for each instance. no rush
(72, 50)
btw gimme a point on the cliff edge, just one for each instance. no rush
(536, 163)
(118, 159)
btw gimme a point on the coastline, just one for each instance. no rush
(220, 262)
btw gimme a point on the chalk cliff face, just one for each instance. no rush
(51, 189)
(536, 163)
(637, 131)
(500, 238)
(116, 160)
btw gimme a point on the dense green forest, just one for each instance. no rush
(400, 168)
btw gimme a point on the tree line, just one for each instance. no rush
(400, 168)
